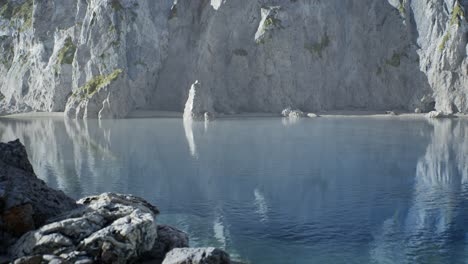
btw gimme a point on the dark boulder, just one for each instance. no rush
(26, 202)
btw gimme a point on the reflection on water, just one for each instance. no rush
(434, 228)
(271, 191)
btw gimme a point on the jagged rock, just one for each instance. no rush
(296, 114)
(197, 256)
(46, 259)
(435, 114)
(199, 102)
(289, 112)
(52, 53)
(109, 228)
(168, 239)
(14, 154)
(286, 112)
(25, 201)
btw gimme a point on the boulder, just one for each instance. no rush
(296, 114)
(168, 239)
(312, 115)
(26, 202)
(393, 113)
(292, 113)
(108, 228)
(286, 112)
(435, 114)
(199, 103)
(197, 256)
(417, 110)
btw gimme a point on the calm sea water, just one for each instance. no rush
(327, 190)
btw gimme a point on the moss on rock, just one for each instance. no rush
(24, 11)
(457, 14)
(97, 83)
(443, 43)
(67, 53)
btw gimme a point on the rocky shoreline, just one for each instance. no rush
(42, 225)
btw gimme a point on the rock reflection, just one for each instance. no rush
(268, 190)
(433, 228)
(188, 128)
(262, 207)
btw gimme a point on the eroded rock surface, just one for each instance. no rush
(168, 239)
(105, 58)
(26, 202)
(199, 104)
(197, 256)
(109, 228)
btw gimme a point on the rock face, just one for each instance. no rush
(105, 58)
(197, 256)
(440, 28)
(168, 239)
(25, 201)
(109, 228)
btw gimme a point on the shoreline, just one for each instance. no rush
(172, 114)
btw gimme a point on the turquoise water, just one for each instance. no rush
(327, 190)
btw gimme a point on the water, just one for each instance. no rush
(327, 190)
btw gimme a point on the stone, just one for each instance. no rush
(197, 256)
(417, 110)
(41, 259)
(168, 239)
(393, 113)
(435, 114)
(286, 112)
(296, 114)
(26, 202)
(312, 115)
(14, 154)
(199, 104)
(108, 228)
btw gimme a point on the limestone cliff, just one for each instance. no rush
(106, 58)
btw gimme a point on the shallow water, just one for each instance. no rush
(327, 190)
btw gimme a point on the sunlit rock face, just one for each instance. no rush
(106, 58)
(439, 28)
(91, 58)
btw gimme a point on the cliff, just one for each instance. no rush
(106, 58)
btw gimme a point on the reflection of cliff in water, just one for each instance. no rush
(434, 229)
(241, 184)
(63, 153)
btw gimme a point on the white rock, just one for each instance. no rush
(296, 114)
(286, 112)
(312, 115)
(435, 114)
(199, 104)
(107, 228)
(197, 256)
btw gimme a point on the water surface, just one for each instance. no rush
(327, 190)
